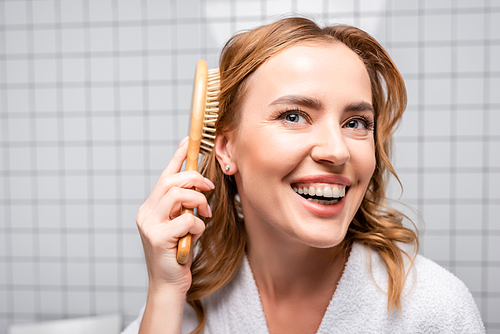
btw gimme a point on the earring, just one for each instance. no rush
(227, 167)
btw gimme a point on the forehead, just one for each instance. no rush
(330, 72)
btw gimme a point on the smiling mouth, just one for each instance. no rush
(322, 195)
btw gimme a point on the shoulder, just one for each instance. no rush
(430, 283)
(430, 277)
(440, 299)
(426, 281)
(433, 299)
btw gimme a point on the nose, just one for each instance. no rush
(330, 146)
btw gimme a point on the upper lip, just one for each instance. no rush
(324, 178)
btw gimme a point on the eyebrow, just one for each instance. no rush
(317, 105)
(299, 100)
(360, 106)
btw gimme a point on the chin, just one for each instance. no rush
(322, 239)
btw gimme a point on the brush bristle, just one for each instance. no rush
(211, 111)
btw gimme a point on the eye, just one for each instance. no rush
(360, 123)
(294, 116)
(355, 124)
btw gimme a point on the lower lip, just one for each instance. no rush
(322, 209)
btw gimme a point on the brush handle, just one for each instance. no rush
(195, 134)
(184, 243)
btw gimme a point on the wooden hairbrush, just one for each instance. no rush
(204, 111)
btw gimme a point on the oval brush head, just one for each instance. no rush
(211, 111)
(204, 111)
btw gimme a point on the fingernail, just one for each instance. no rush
(210, 183)
(209, 211)
(183, 141)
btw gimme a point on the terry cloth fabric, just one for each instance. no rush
(434, 301)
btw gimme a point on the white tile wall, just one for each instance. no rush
(93, 100)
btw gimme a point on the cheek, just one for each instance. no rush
(268, 152)
(363, 159)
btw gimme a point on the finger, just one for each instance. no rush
(177, 198)
(166, 236)
(185, 224)
(175, 164)
(182, 180)
(187, 180)
(182, 198)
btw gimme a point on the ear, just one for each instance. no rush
(223, 152)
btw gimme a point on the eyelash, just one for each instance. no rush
(368, 121)
(287, 112)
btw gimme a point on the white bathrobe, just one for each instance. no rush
(434, 301)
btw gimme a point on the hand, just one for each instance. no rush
(161, 225)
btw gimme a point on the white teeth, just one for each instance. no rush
(327, 192)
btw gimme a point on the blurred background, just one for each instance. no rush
(94, 97)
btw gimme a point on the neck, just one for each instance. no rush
(285, 268)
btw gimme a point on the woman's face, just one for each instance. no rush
(305, 139)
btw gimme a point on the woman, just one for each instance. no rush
(300, 239)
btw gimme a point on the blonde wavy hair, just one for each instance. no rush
(377, 225)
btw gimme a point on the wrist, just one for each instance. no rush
(168, 292)
(164, 310)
